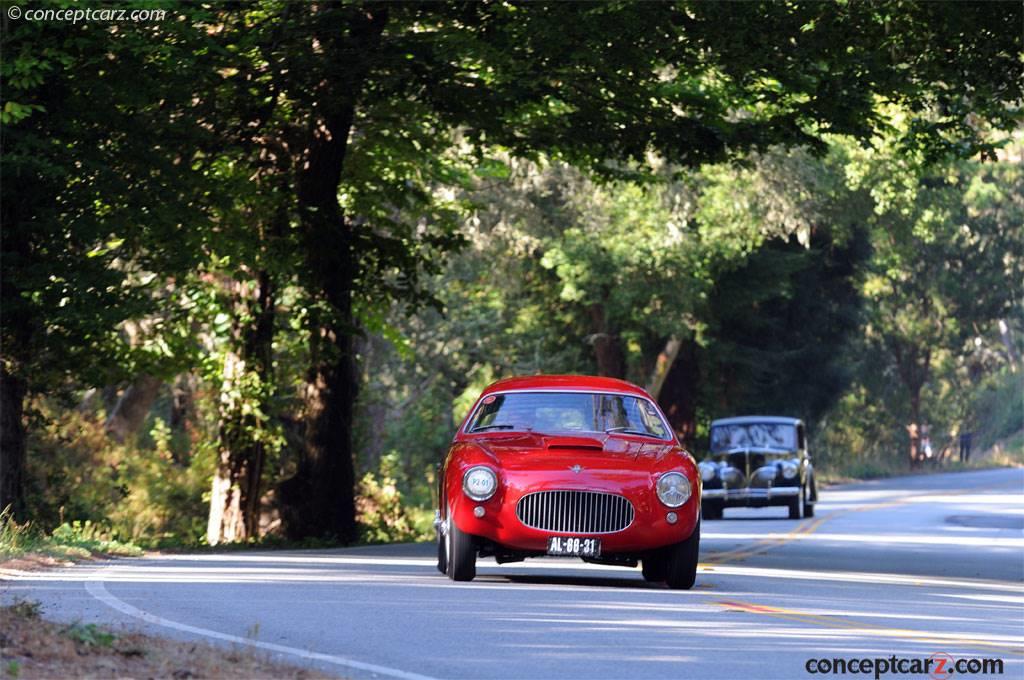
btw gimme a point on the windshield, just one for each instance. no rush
(753, 435)
(550, 412)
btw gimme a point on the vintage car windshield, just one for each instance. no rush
(753, 435)
(574, 412)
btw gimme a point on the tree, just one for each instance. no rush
(104, 197)
(592, 83)
(367, 106)
(946, 240)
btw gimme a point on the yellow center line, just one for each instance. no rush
(807, 528)
(867, 628)
(765, 544)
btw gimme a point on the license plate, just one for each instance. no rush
(577, 547)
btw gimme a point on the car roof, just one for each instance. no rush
(565, 382)
(746, 420)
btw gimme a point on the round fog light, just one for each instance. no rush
(478, 511)
(671, 518)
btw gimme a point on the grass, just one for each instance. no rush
(36, 648)
(69, 541)
(1008, 452)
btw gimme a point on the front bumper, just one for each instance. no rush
(649, 529)
(778, 495)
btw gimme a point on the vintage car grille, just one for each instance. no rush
(576, 512)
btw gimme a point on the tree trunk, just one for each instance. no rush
(132, 407)
(611, 361)
(12, 443)
(374, 412)
(183, 414)
(913, 364)
(666, 359)
(17, 329)
(678, 395)
(236, 490)
(319, 500)
(914, 429)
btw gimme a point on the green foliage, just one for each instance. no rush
(15, 538)
(998, 405)
(382, 516)
(26, 609)
(89, 634)
(91, 537)
(70, 541)
(128, 492)
(519, 187)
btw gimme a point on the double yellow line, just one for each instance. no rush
(867, 628)
(765, 544)
(808, 527)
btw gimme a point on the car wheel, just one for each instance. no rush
(654, 567)
(442, 552)
(710, 510)
(681, 566)
(461, 552)
(808, 507)
(794, 505)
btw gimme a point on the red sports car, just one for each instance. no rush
(572, 466)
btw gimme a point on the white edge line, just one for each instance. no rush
(95, 587)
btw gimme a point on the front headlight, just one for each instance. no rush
(479, 483)
(789, 469)
(707, 471)
(673, 489)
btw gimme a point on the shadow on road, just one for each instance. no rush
(583, 581)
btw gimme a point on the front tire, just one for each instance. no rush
(461, 552)
(808, 507)
(794, 505)
(681, 567)
(654, 567)
(442, 553)
(711, 510)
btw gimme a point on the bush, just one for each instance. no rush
(77, 477)
(76, 540)
(382, 516)
(999, 408)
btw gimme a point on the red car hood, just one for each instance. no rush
(598, 456)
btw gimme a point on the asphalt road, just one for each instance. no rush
(911, 567)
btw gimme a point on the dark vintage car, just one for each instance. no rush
(756, 461)
(571, 466)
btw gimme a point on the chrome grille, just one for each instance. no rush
(575, 512)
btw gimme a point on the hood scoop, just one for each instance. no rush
(573, 443)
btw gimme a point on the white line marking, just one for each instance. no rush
(95, 587)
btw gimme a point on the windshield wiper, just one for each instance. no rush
(629, 430)
(499, 426)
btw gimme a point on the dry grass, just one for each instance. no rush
(31, 647)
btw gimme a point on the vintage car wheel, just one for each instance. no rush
(655, 567)
(808, 507)
(711, 510)
(442, 553)
(794, 505)
(461, 552)
(681, 566)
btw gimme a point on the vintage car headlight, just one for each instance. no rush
(707, 471)
(789, 469)
(673, 489)
(731, 476)
(479, 483)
